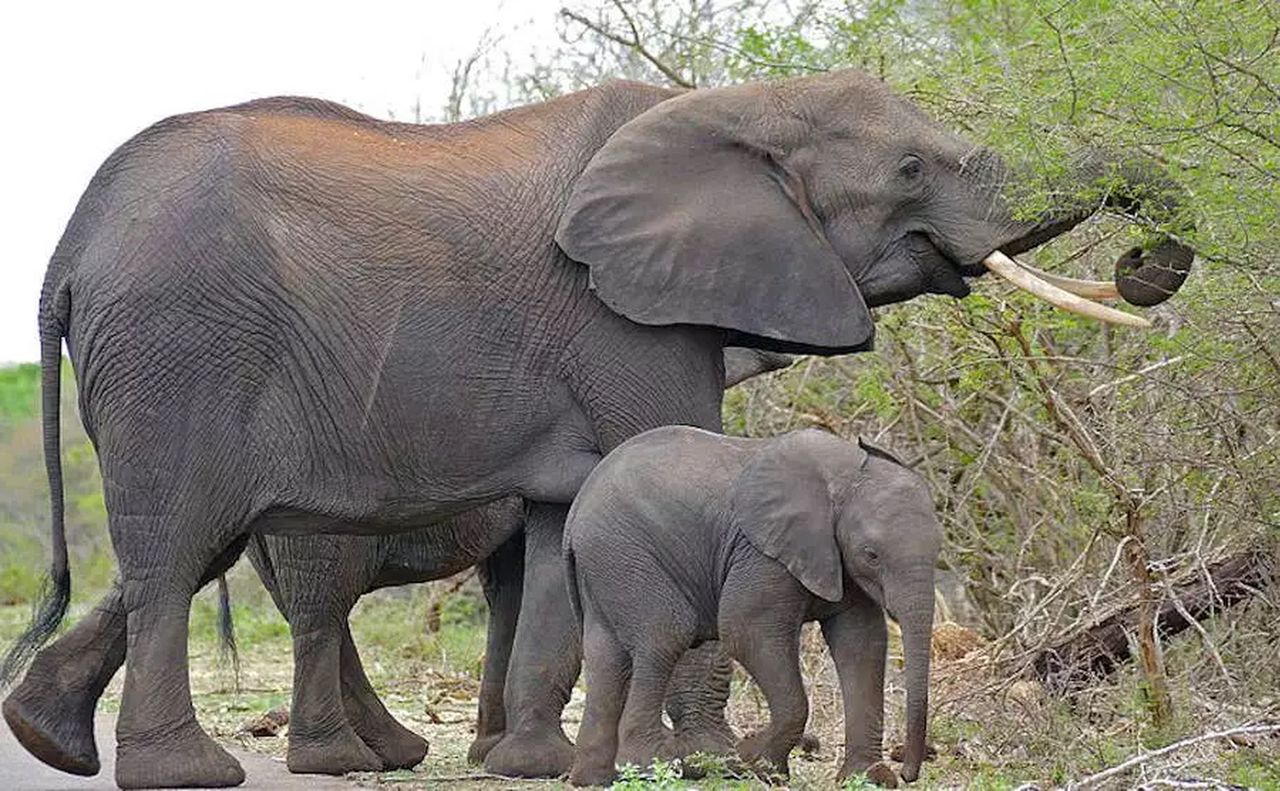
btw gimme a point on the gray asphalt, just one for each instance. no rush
(21, 772)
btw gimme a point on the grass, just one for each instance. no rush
(19, 392)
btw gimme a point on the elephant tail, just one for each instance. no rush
(51, 605)
(571, 579)
(227, 629)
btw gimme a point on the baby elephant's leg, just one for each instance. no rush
(608, 672)
(696, 701)
(652, 624)
(764, 635)
(858, 639)
(657, 633)
(643, 738)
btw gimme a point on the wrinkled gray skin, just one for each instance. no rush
(682, 536)
(287, 317)
(337, 723)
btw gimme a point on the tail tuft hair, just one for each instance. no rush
(51, 604)
(227, 629)
(47, 613)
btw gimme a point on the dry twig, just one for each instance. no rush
(1092, 781)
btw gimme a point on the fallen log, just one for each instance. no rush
(1076, 661)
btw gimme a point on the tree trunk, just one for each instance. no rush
(1074, 662)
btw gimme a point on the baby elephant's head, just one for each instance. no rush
(831, 512)
(889, 539)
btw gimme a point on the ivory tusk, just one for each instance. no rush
(1011, 270)
(1089, 289)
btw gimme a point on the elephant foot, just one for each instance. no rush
(187, 758)
(712, 738)
(878, 773)
(395, 745)
(332, 754)
(809, 745)
(54, 727)
(481, 746)
(762, 753)
(592, 775)
(544, 754)
(643, 752)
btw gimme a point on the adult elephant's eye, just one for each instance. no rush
(872, 557)
(911, 168)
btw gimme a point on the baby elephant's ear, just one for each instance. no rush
(781, 502)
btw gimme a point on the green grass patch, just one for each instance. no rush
(1254, 769)
(19, 392)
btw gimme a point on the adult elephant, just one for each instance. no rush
(337, 724)
(287, 317)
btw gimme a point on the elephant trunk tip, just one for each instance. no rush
(911, 769)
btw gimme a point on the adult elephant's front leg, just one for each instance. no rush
(545, 658)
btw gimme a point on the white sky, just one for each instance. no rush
(80, 78)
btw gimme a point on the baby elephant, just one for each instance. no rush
(681, 536)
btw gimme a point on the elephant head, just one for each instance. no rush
(833, 512)
(782, 211)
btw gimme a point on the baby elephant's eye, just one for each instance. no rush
(871, 555)
(911, 167)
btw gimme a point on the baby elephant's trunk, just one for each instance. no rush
(915, 616)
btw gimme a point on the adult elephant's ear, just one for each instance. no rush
(688, 214)
(782, 502)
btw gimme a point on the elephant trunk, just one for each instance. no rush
(1143, 277)
(1147, 278)
(916, 620)
(1049, 227)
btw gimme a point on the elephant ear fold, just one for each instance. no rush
(782, 503)
(687, 216)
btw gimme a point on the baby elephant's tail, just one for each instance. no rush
(571, 579)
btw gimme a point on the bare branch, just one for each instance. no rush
(632, 43)
(1138, 760)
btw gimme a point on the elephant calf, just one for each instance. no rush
(681, 536)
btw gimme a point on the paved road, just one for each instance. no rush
(20, 772)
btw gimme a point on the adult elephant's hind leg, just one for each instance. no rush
(321, 740)
(502, 576)
(159, 743)
(396, 746)
(544, 661)
(51, 711)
